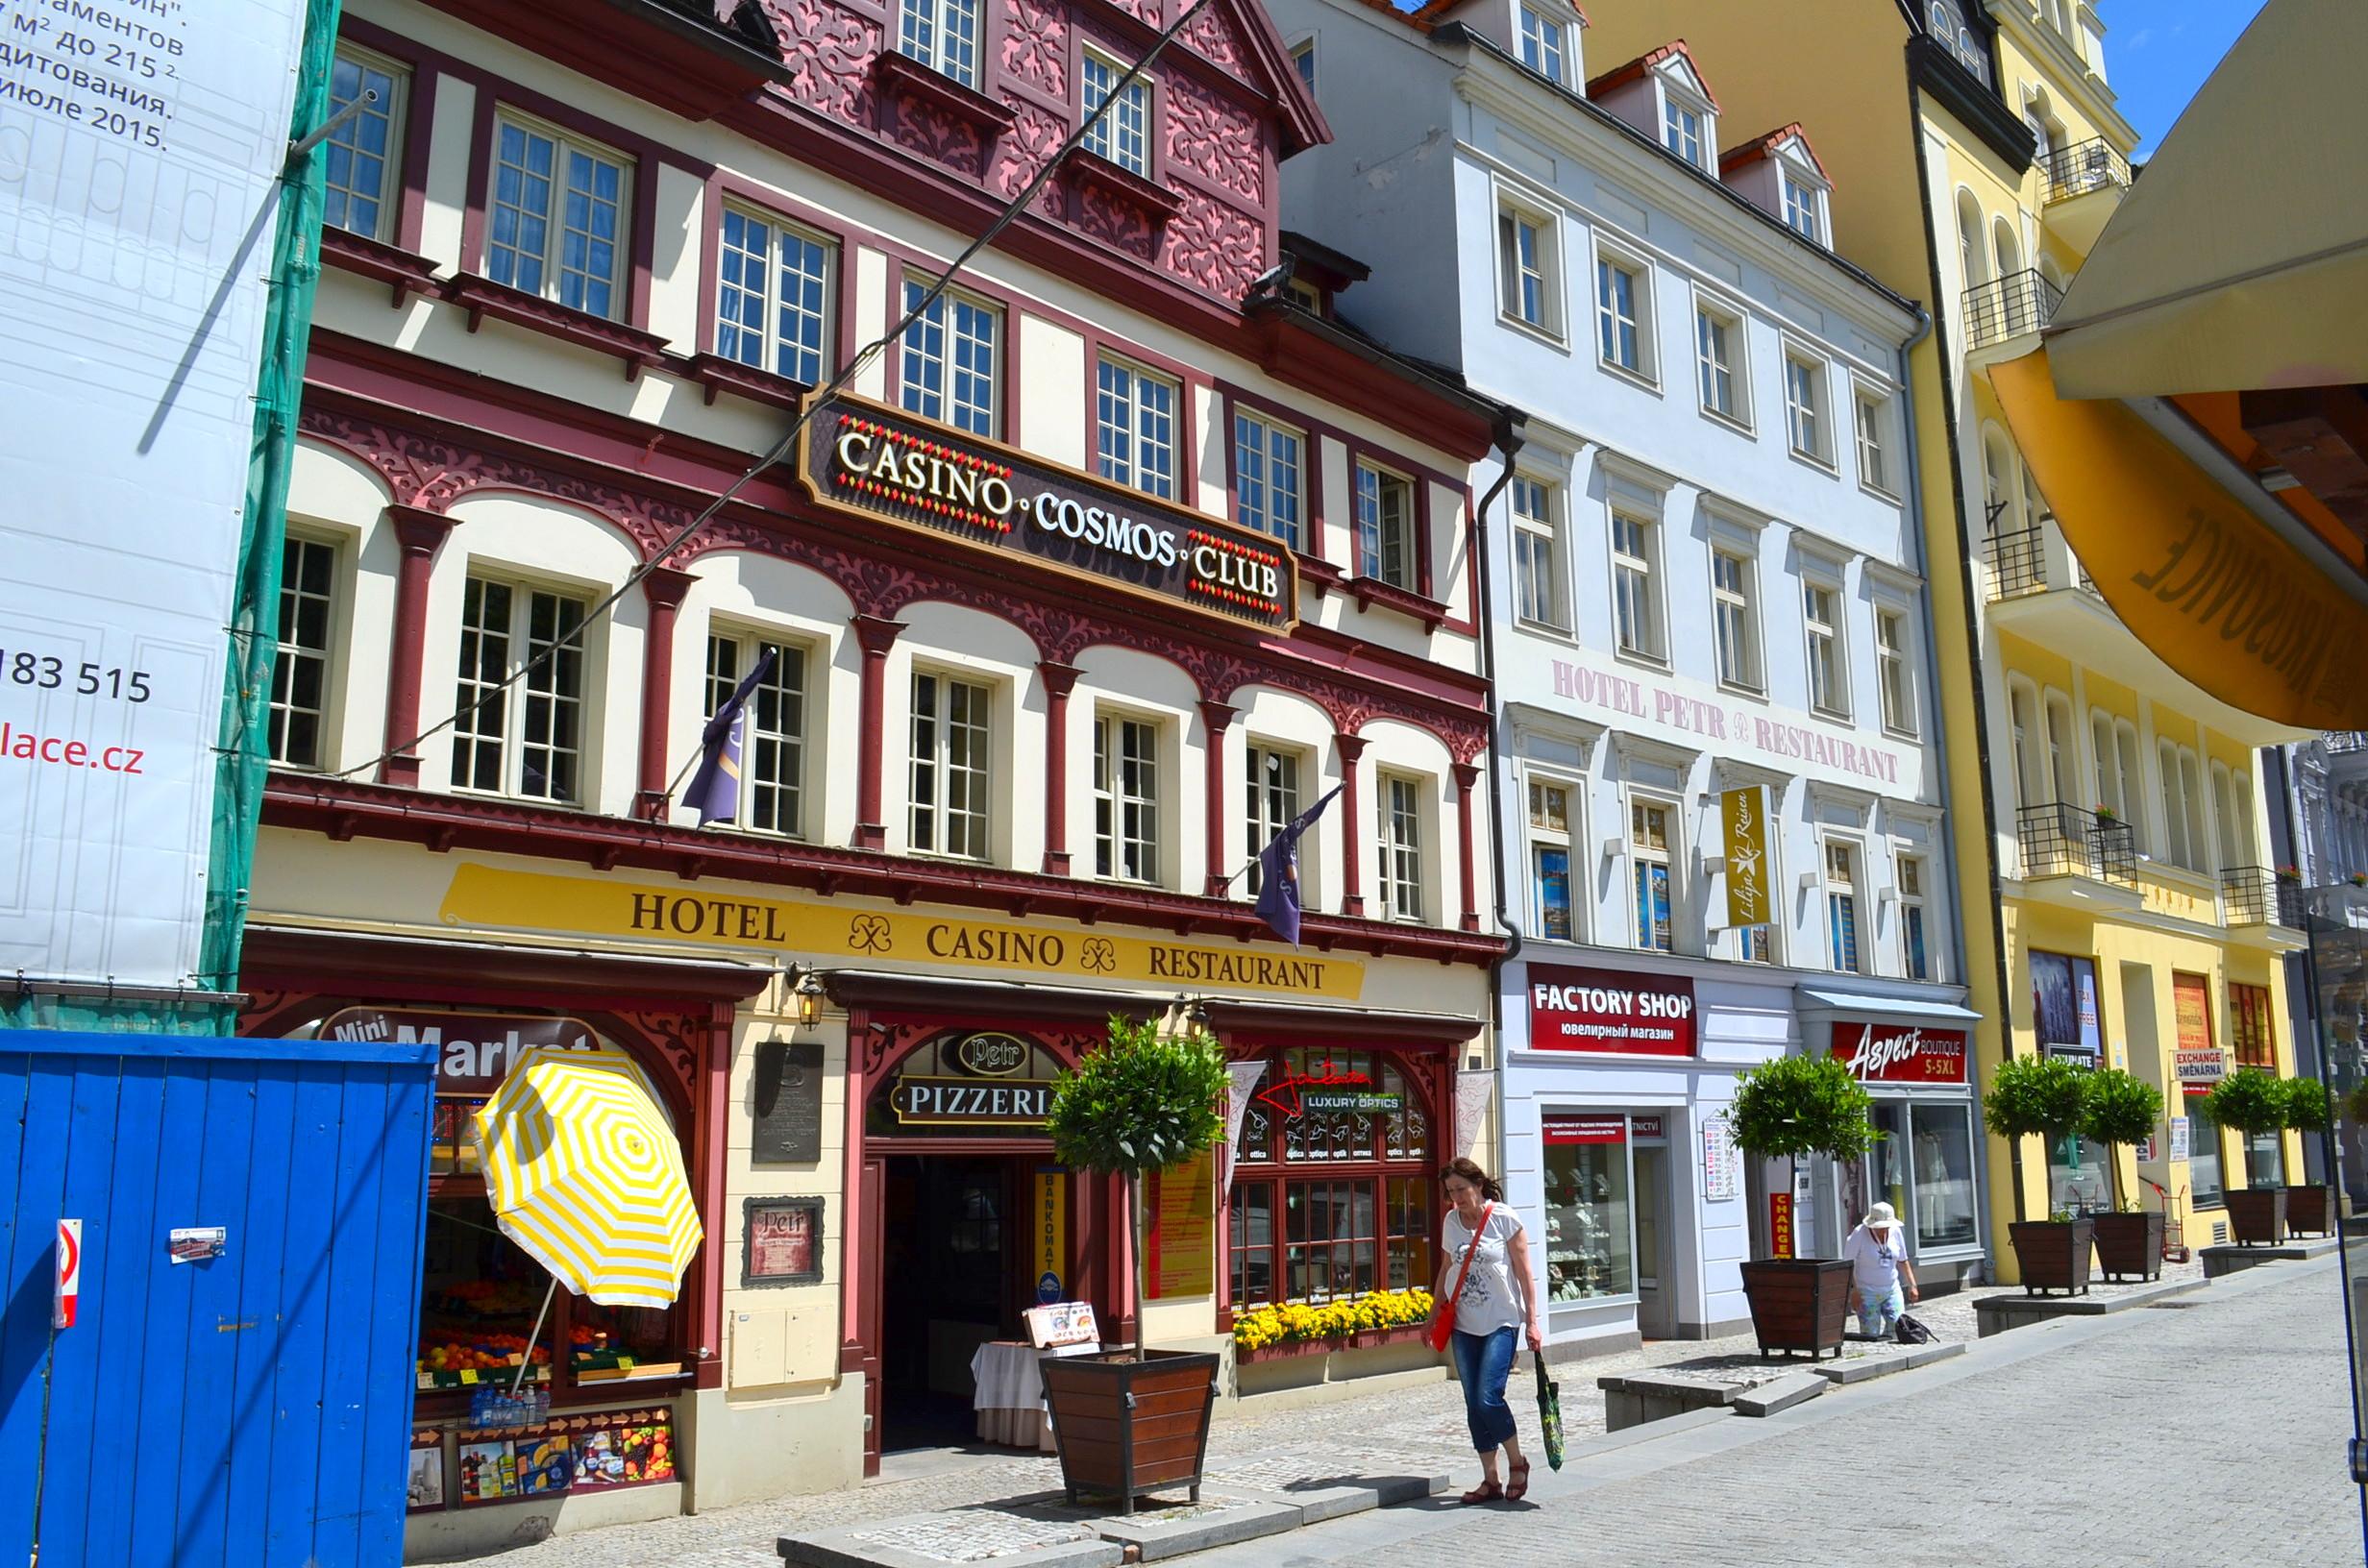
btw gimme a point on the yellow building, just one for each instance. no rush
(1975, 154)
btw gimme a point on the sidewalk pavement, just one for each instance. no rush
(1000, 1497)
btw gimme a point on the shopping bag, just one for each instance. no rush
(1549, 1413)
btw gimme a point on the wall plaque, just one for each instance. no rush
(786, 1105)
(780, 1241)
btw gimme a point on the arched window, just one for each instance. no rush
(2175, 840)
(1969, 248)
(2132, 782)
(2030, 768)
(2064, 769)
(2035, 510)
(2007, 250)
(2110, 793)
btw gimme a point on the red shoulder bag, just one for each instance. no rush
(1443, 1318)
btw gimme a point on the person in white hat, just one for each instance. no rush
(1878, 1255)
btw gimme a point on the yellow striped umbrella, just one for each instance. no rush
(586, 1176)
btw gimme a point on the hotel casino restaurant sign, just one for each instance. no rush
(859, 456)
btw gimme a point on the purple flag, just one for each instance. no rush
(715, 788)
(1278, 873)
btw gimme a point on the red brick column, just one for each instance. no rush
(1351, 749)
(1060, 680)
(1218, 719)
(1467, 774)
(878, 635)
(418, 533)
(664, 588)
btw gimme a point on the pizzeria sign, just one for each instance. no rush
(873, 462)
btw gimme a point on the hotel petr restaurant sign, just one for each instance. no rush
(864, 458)
(1744, 732)
(496, 897)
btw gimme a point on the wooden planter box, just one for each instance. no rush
(2129, 1246)
(2306, 1208)
(1798, 1305)
(2052, 1256)
(1127, 1429)
(2257, 1216)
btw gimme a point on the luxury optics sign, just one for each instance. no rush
(864, 458)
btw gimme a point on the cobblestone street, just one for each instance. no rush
(2046, 1445)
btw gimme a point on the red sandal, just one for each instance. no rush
(1518, 1489)
(1487, 1491)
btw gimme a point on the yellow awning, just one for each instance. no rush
(2192, 571)
(2240, 260)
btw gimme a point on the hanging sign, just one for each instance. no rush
(1619, 1012)
(69, 1292)
(965, 1102)
(1744, 812)
(878, 462)
(1779, 1224)
(1892, 1053)
(1049, 1231)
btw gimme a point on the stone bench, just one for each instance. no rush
(1634, 1400)
(2230, 1257)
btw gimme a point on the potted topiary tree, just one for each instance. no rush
(2046, 1095)
(2306, 1207)
(2117, 1109)
(1785, 1108)
(2253, 1104)
(1135, 1422)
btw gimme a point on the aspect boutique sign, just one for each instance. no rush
(1605, 1009)
(1890, 1053)
(862, 457)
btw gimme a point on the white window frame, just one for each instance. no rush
(1852, 895)
(1836, 636)
(1270, 803)
(1916, 906)
(1544, 44)
(1129, 844)
(1814, 416)
(1538, 558)
(924, 33)
(1540, 838)
(1875, 444)
(1541, 271)
(1262, 516)
(1735, 620)
(1303, 60)
(1127, 411)
(291, 654)
(749, 644)
(1400, 800)
(553, 282)
(1636, 584)
(946, 325)
(1122, 136)
(1372, 558)
(345, 149)
(1707, 312)
(975, 821)
(1642, 856)
(1895, 667)
(1609, 323)
(510, 713)
(800, 359)
(1804, 198)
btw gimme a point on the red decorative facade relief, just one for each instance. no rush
(938, 136)
(1219, 248)
(1036, 46)
(1215, 139)
(1020, 153)
(1212, 38)
(1115, 221)
(828, 51)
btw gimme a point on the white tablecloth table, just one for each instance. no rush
(1009, 1397)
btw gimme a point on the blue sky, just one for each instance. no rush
(2158, 52)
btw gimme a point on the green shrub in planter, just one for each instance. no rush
(2249, 1101)
(2043, 1094)
(2118, 1109)
(2306, 1105)
(1140, 1101)
(1798, 1105)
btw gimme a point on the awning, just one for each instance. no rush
(2240, 260)
(1887, 1007)
(2194, 573)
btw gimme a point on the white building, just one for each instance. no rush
(1704, 578)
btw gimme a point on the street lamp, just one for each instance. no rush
(808, 996)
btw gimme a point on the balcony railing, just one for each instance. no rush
(2007, 308)
(2017, 563)
(2095, 165)
(2060, 839)
(2257, 896)
(2340, 743)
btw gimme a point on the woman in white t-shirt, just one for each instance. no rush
(1495, 1303)
(1877, 1252)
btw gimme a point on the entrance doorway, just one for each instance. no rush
(952, 1254)
(1656, 1290)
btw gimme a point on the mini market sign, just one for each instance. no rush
(873, 462)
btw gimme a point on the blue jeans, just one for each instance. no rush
(1483, 1361)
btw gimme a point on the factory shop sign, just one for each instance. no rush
(1890, 1053)
(1607, 1010)
(865, 459)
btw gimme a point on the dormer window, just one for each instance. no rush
(1804, 209)
(1541, 45)
(1681, 130)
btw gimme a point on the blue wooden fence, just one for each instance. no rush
(253, 1410)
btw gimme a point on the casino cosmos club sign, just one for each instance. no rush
(867, 459)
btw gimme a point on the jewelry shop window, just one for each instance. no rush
(1589, 1219)
(1328, 1201)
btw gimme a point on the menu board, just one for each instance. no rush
(786, 1106)
(783, 1241)
(1182, 1252)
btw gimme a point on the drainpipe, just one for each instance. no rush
(1973, 633)
(1508, 441)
